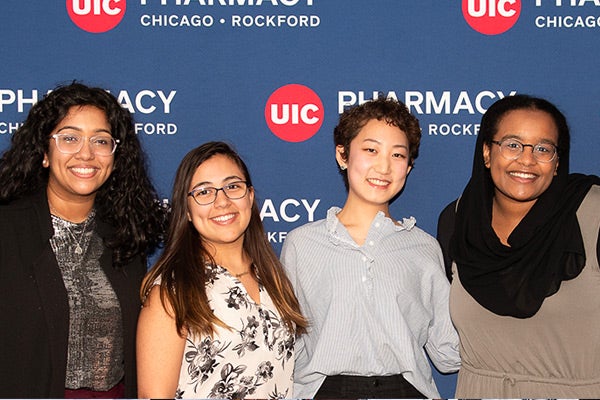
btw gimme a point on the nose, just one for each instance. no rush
(383, 165)
(527, 157)
(86, 152)
(221, 199)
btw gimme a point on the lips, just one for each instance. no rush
(223, 219)
(83, 172)
(378, 182)
(523, 175)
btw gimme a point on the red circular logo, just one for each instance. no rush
(294, 113)
(96, 16)
(491, 17)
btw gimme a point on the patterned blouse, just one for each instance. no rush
(254, 359)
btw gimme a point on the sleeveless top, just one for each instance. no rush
(253, 359)
(555, 353)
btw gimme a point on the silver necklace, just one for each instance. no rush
(79, 243)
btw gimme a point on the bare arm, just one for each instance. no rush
(159, 349)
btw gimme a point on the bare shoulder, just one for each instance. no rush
(156, 306)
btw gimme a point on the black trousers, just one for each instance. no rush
(379, 387)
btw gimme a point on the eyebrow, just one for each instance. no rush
(520, 139)
(229, 178)
(378, 142)
(78, 129)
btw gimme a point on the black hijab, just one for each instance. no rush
(545, 248)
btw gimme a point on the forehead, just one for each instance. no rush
(528, 124)
(382, 132)
(84, 118)
(217, 169)
(84, 111)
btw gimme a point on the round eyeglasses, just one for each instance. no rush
(205, 195)
(71, 143)
(511, 149)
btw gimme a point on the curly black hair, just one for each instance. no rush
(127, 200)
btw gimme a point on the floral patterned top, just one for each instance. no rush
(254, 359)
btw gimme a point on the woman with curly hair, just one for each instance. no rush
(78, 218)
(220, 316)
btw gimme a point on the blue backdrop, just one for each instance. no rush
(271, 77)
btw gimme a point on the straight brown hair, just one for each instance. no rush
(182, 265)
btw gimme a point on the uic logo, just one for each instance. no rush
(491, 17)
(294, 113)
(96, 16)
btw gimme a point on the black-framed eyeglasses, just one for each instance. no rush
(205, 195)
(71, 143)
(511, 149)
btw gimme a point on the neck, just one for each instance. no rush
(510, 210)
(232, 257)
(74, 211)
(361, 215)
(357, 220)
(506, 215)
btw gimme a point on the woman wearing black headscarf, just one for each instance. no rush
(521, 245)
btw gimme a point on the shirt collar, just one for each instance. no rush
(338, 234)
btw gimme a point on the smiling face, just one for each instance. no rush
(522, 180)
(377, 163)
(223, 222)
(77, 177)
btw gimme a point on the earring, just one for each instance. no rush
(343, 167)
(45, 163)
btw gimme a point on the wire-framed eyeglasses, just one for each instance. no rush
(71, 143)
(511, 149)
(205, 195)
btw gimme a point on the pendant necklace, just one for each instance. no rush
(78, 248)
(78, 242)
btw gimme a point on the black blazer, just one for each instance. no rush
(34, 308)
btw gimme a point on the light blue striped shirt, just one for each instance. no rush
(372, 309)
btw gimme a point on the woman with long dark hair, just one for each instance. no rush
(220, 316)
(78, 218)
